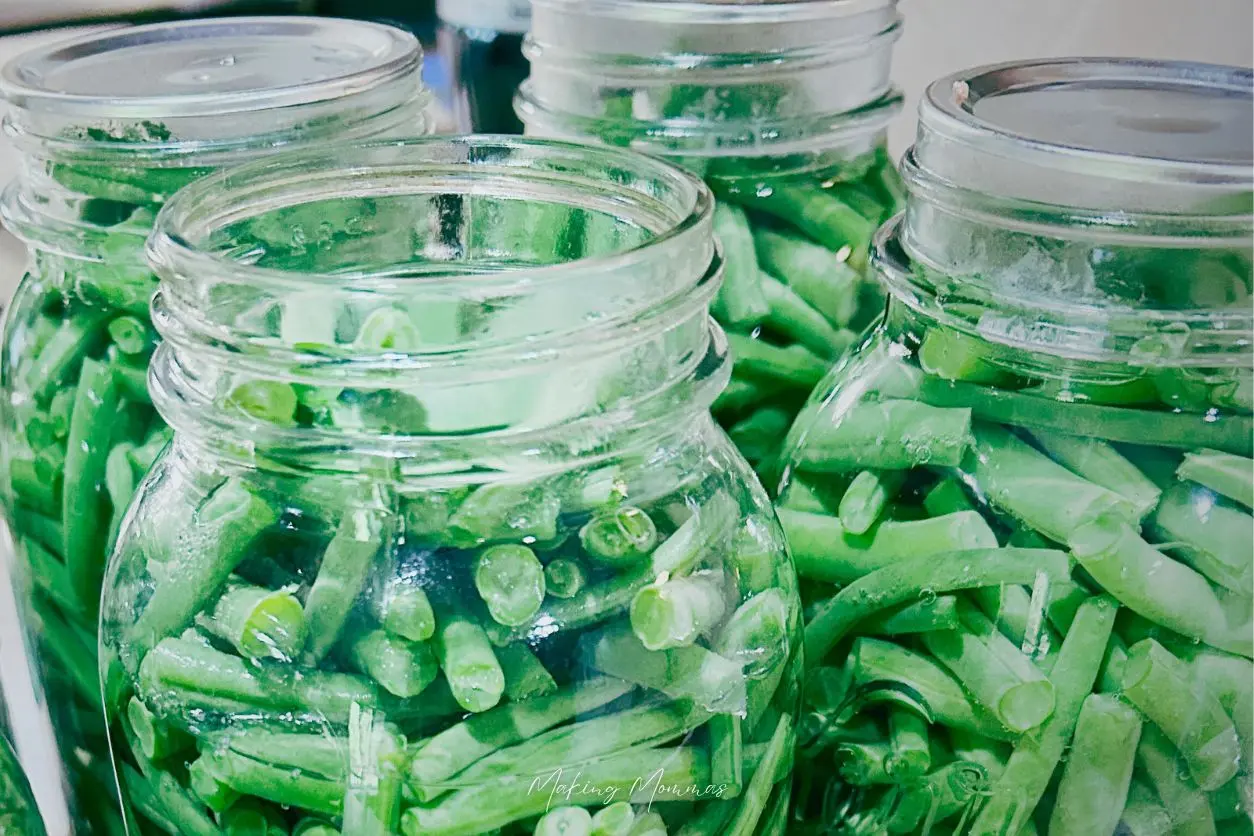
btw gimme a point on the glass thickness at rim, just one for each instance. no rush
(248, 190)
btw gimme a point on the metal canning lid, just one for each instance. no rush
(209, 67)
(1093, 132)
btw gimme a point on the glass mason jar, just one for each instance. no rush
(109, 126)
(1032, 481)
(447, 541)
(482, 42)
(783, 108)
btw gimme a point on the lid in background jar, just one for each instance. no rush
(209, 67)
(508, 16)
(1094, 133)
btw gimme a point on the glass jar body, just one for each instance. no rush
(1042, 557)
(79, 428)
(477, 651)
(782, 109)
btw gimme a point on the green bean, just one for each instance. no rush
(614, 819)
(510, 580)
(888, 435)
(564, 578)
(1101, 464)
(401, 667)
(792, 317)
(1163, 689)
(792, 366)
(908, 579)
(676, 612)
(258, 622)
(1161, 589)
(1098, 771)
(526, 677)
(1225, 474)
(618, 537)
(469, 663)
(1213, 535)
(1018, 790)
(345, 568)
(823, 551)
(1187, 807)
(741, 300)
(865, 499)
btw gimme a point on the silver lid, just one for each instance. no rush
(208, 67)
(1092, 132)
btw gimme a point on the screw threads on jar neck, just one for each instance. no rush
(710, 78)
(505, 287)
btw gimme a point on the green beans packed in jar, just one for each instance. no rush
(782, 107)
(1021, 506)
(109, 126)
(19, 812)
(447, 541)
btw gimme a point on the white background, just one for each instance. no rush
(941, 36)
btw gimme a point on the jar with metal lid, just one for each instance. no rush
(109, 126)
(782, 107)
(1021, 507)
(447, 540)
(482, 42)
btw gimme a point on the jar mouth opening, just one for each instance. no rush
(1040, 321)
(187, 239)
(208, 67)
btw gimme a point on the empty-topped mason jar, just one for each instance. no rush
(447, 540)
(782, 107)
(108, 126)
(1021, 508)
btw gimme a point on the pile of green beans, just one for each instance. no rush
(574, 655)
(79, 433)
(1028, 599)
(795, 293)
(19, 815)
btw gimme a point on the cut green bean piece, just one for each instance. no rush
(342, 576)
(469, 663)
(404, 609)
(877, 663)
(1103, 465)
(952, 355)
(888, 435)
(910, 754)
(794, 366)
(622, 536)
(756, 792)
(401, 667)
(1033, 488)
(506, 511)
(1098, 771)
(156, 740)
(1164, 690)
(202, 558)
(212, 791)
(1213, 535)
(525, 675)
(741, 301)
(906, 580)
(372, 798)
(814, 273)
(1225, 474)
(711, 681)
(865, 499)
(510, 580)
(756, 635)
(260, 623)
(676, 612)
(1163, 590)
(564, 578)
(478, 736)
(614, 819)
(1019, 704)
(792, 317)
(319, 753)
(286, 787)
(84, 508)
(824, 551)
(565, 821)
(726, 752)
(1187, 806)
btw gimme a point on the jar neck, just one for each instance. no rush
(709, 78)
(1028, 313)
(82, 188)
(437, 304)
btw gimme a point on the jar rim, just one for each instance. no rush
(370, 55)
(228, 196)
(751, 11)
